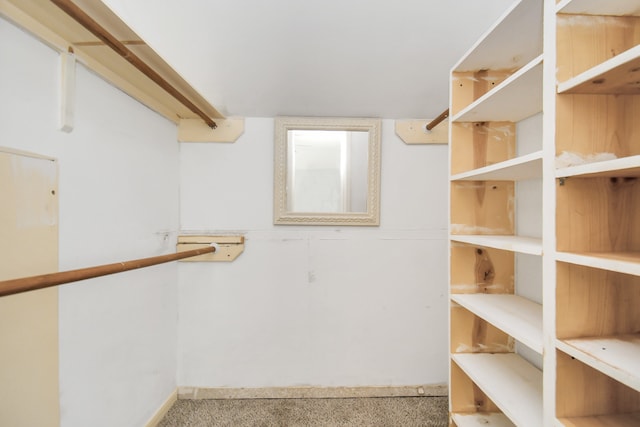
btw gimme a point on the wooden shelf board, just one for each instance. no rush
(58, 30)
(482, 419)
(614, 76)
(513, 314)
(513, 384)
(498, 49)
(599, 7)
(621, 262)
(515, 99)
(613, 420)
(622, 167)
(616, 356)
(520, 244)
(519, 169)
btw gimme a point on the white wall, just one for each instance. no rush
(118, 200)
(322, 306)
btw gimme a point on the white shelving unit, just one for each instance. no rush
(586, 175)
(491, 95)
(520, 244)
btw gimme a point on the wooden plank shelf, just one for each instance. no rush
(516, 316)
(617, 356)
(617, 420)
(618, 75)
(599, 7)
(60, 31)
(523, 18)
(621, 262)
(482, 419)
(622, 167)
(515, 99)
(513, 384)
(520, 244)
(519, 169)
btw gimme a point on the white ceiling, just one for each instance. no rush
(339, 58)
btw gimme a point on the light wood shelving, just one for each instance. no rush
(59, 30)
(495, 88)
(597, 208)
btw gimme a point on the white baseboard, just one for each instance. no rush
(311, 392)
(162, 411)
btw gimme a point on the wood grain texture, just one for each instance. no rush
(598, 215)
(590, 124)
(466, 87)
(482, 207)
(584, 41)
(583, 391)
(481, 270)
(480, 144)
(593, 302)
(471, 334)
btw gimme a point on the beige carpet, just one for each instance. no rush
(371, 412)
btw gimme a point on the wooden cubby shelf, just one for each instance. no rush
(514, 99)
(484, 419)
(520, 244)
(616, 356)
(618, 75)
(622, 167)
(512, 383)
(520, 168)
(621, 262)
(513, 314)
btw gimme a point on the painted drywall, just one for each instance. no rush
(320, 306)
(118, 200)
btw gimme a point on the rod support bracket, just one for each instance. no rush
(228, 248)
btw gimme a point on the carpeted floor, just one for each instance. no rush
(369, 412)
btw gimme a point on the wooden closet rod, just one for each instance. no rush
(97, 30)
(435, 122)
(25, 284)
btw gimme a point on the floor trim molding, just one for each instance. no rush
(195, 393)
(163, 409)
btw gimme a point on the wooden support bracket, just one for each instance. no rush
(415, 132)
(194, 130)
(67, 90)
(228, 248)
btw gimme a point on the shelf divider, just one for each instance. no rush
(520, 168)
(516, 98)
(520, 244)
(621, 262)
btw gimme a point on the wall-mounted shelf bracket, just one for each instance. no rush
(194, 130)
(228, 248)
(67, 90)
(415, 132)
